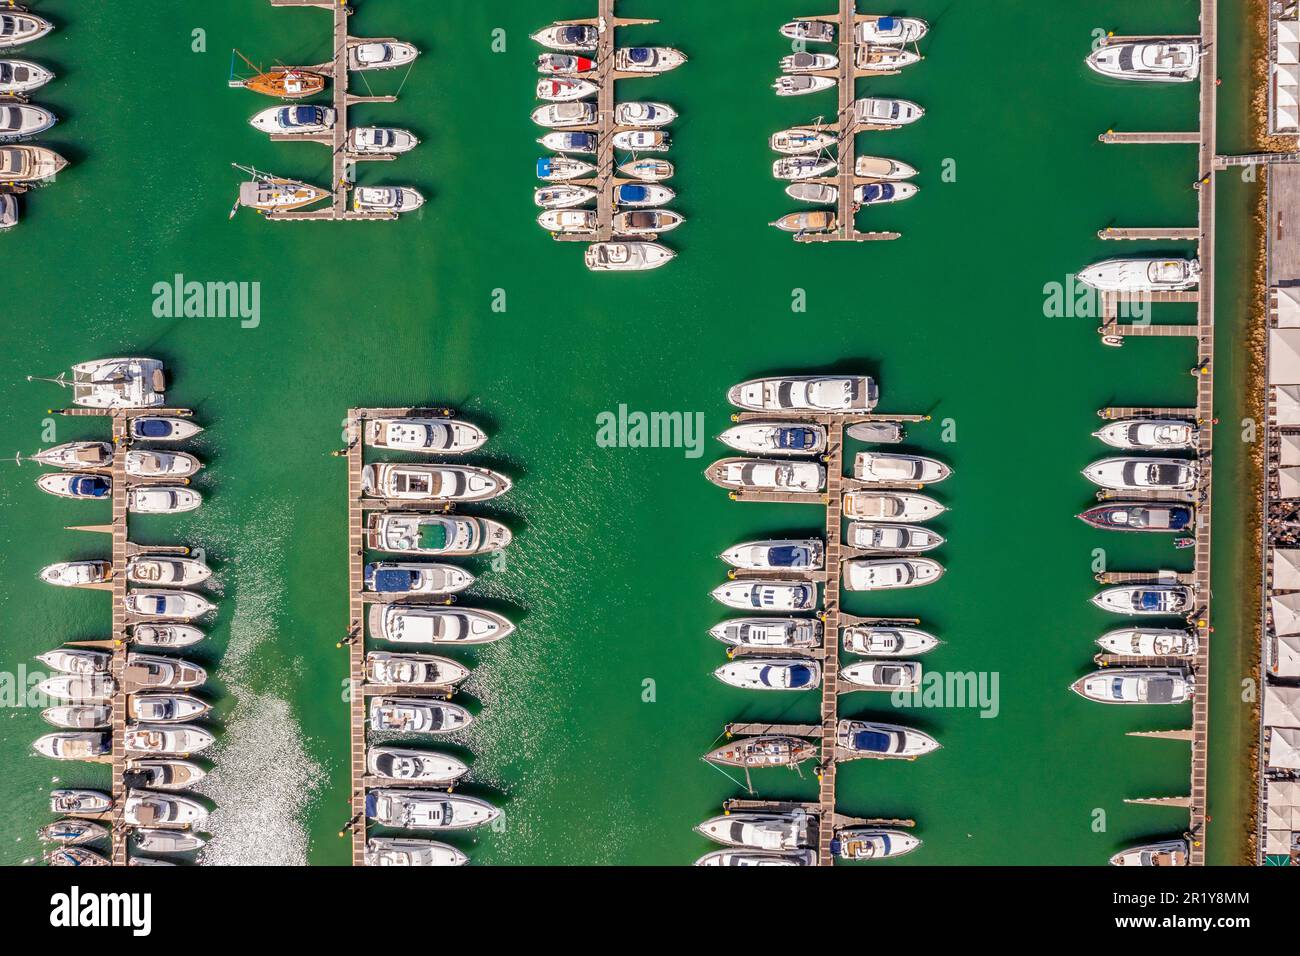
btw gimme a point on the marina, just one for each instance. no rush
(23, 166)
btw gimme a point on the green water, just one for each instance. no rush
(614, 553)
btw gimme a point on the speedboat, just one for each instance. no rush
(153, 840)
(81, 688)
(20, 120)
(565, 89)
(647, 59)
(892, 31)
(1142, 275)
(170, 636)
(163, 774)
(757, 673)
(762, 831)
(861, 738)
(764, 474)
(1149, 434)
(626, 256)
(180, 605)
(786, 554)
(886, 113)
(912, 539)
(393, 577)
(1136, 685)
(28, 164)
(75, 485)
(884, 574)
(870, 843)
(563, 196)
(390, 851)
(770, 750)
(563, 115)
(286, 120)
(564, 64)
(450, 535)
(1150, 642)
(813, 393)
(570, 142)
(772, 633)
(76, 454)
(876, 433)
(160, 428)
(19, 77)
(165, 708)
(810, 31)
(569, 37)
(380, 140)
(644, 115)
(878, 167)
(152, 672)
(144, 463)
(77, 856)
(642, 140)
(555, 169)
(1146, 599)
(890, 506)
(1141, 516)
(884, 641)
(756, 858)
(417, 715)
(879, 194)
(410, 669)
(432, 482)
(427, 810)
(647, 170)
(76, 574)
(22, 27)
(167, 740)
(398, 199)
(74, 802)
(883, 59)
(882, 468)
(1144, 474)
(802, 223)
(1152, 61)
(79, 716)
(380, 55)
(76, 660)
(165, 570)
(802, 167)
(74, 745)
(568, 220)
(429, 436)
(161, 499)
(427, 624)
(804, 62)
(802, 139)
(642, 194)
(145, 809)
(779, 438)
(799, 84)
(115, 382)
(271, 194)
(1168, 853)
(883, 675)
(818, 193)
(646, 222)
(398, 763)
(72, 832)
(767, 595)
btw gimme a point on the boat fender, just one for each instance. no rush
(731, 575)
(1114, 341)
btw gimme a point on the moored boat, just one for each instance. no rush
(643, 140)
(771, 633)
(861, 738)
(647, 59)
(809, 223)
(568, 37)
(763, 474)
(67, 484)
(884, 574)
(1152, 516)
(157, 840)
(394, 199)
(1142, 275)
(1144, 474)
(430, 436)
(76, 454)
(815, 393)
(163, 774)
(129, 382)
(176, 605)
(890, 506)
(647, 170)
(1149, 434)
(403, 763)
(818, 193)
(165, 570)
(417, 715)
(641, 195)
(1150, 642)
(1136, 685)
(164, 635)
(427, 810)
(564, 64)
(1149, 61)
(428, 624)
(565, 115)
(293, 120)
(20, 77)
(883, 59)
(396, 577)
(805, 62)
(380, 140)
(79, 716)
(886, 113)
(285, 82)
(556, 169)
(883, 468)
(72, 832)
(769, 750)
(882, 640)
(146, 463)
(810, 31)
(74, 745)
(566, 142)
(269, 194)
(778, 438)
(76, 574)
(165, 708)
(646, 222)
(767, 595)
(870, 536)
(20, 26)
(565, 89)
(785, 554)
(754, 673)
(564, 196)
(144, 808)
(644, 115)
(882, 675)
(76, 660)
(1145, 599)
(876, 433)
(800, 84)
(432, 482)
(155, 672)
(161, 499)
(762, 831)
(449, 535)
(391, 851)
(803, 139)
(794, 168)
(871, 843)
(20, 120)
(890, 30)
(425, 670)
(79, 802)
(878, 167)
(28, 164)
(1168, 853)
(626, 256)
(166, 740)
(162, 428)
(756, 858)
(380, 55)
(79, 688)
(77, 856)
(880, 194)
(568, 220)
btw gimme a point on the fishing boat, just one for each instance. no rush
(1153, 516)
(21, 27)
(146, 463)
(880, 640)
(647, 170)
(390, 851)
(878, 167)
(1144, 474)
(414, 669)
(804, 62)
(641, 195)
(810, 31)
(80, 688)
(417, 715)
(756, 858)
(72, 832)
(771, 633)
(426, 624)
(892, 31)
(432, 482)
(885, 574)
(811, 393)
(427, 810)
(1146, 599)
(20, 77)
(818, 193)
(761, 474)
(911, 539)
(1150, 642)
(170, 636)
(76, 660)
(861, 738)
(881, 468)
(145, 809)
(429, 436)
(76, 454)
(74, 745)
(75, 802)
(563, 196)
(642, 140)
(799, 84)
(1168, 853)
(802, 139)
(883, 675)
(1142, 275)
(770, 750)
(268, 194)
(886, 113)
(563, 142)
(450, 535)
(290, 120)
(555, 169)
(165, 570)
(28, 164)
(778, 438)
(8, 211)
(760, 673)
(380, 55)
(569, 37)
(399, 763)
(20, 120)
(883, 59)
(562, 115)
(165, 708)
(803, 167)
(393, 577)
(161, 499)
(77, 856)
(646, 222)
(647, 59)
(156, 603)
(152, 672)
(762, 831)
(397, 199)
(788, 554)
(568, 220)
(380, 140)
(76, 485)
(870, 843)
(626, 256)
(564, 64)
(163, 774)
(565, 89)
(167, 740)
(891, 506)
(76, 574)
(153, 840)
(79, 716)
(1136, 685)
(1149, 434)
(1151, 61)
(807, 222)
(876, 433)
(880, 194)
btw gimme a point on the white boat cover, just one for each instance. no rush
(1289, 450)
(1284, 357)
(1281, 815)
(1286, 306)
(1286, 613)
(1281, 706)
(1286, 569)
(1286, 404)
(1284, 656)
(1283, 748)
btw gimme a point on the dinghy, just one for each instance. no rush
(77, 454)
(884, 641)
(803, 167)
(1136, 685)
(563, 197)
(883, 675)
(565, 89)
(1144, 474)
(626, 256)
(77, 856)
(810, 31)
(767, 595)
(167, 740)
(1152, 61)
(72, 832)
(1149, 434)
(76, 574)
(398, 763)
(771, 750)
(1142, 275)
(414, 669)
(891, 31)
(880, 194)
(163, 774)
(158, 428)
(909, 539)
(1146, 599)
(74, 802)
(164, 570)
(779, 438)
(878, 167)
(270, 194)
(884, 574)
(569, 37)
(876, 433)
(646, 222)
(641, 195)
(454, 536)
(417, 715)
(813, 393)
(426, 624)
(20, 120)
(756, 858)
(570, 142)
(802, 139)
(883, 59)
(886, 113)
(881, 468)
(392, 577)
(152, 840)
(555, 169)
(390, 851)
(771, 633)
(79, 716)
(76, 660)
(761, 474)
(643, 140)
(762, 831)
(380, 141)
(869, 843)
(28, 164)
(564, 64)
(179, 605)
(145, 809)
(563, 115)
(647, 170)
(818, 193)
(76, 485)
(648, 59)
(429, 436)
(152, 672)
(427, 810)
(756, 673)
(568, 220)
(161, 499)
(803, 62)
(644, 115)
(789, 554)
(380, 55)
(890, 506)
(799, 84)
(293, 120)
(432, 482)
(861, 738)
(144, 463)
(398, 199)
(1168, 853)
(80, 688)
(74, 745)
(22, 27)
(165, 708)
(1149, 642)
(170, 636)
(20, 77)
(807, 222)
(1151, 516)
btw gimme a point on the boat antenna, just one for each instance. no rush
(59, 380)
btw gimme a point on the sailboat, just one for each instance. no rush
(272, 193)
(285, 82)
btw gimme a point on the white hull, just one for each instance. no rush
(1145, 599)
(166, 740)
(767, 596)
(414, 670)
(771, 633)
(763, 474)
(422, 810)
(776, 438)
(771, 674)
(891, 538)
(1142, 275)
(887, 574)
(1149, 642)
(884, 641)
(387, 851)
(857, 739)
(166, 571)
(626, 256)
(802, 84)
(784, 554)
(426, 436)
(416, 715)
(158, 604)
(380, 56)
(76, 660)
(162, 499)
(394, 199)
(1144, 474)
(19, 77)
(1115, 685)
(883, 675)
(800, 140)
(880, 168)
(424, 624)
(1159, 61)
(886, 113)
(450, 536)
(814, 393)
(1152, 434)
(883, 468)
(890, 506)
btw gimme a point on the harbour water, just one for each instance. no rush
(594, 713)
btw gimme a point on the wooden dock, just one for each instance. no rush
(1111, 232)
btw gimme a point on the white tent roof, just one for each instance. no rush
(1289, 450)
(1288, 482)
(1286, 569)
(1284, 357)
(1286, 398)
(1284, 748)
(1288, 306)
(1281, 706)
(1281, 815)
(1286, 613)
(1286, 656)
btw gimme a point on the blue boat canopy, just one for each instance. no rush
(395, 580)
(543, 167)
(871, 741)
(631, 192)
(786, 556)
(89, 486)
(800, 675)
(1151, 601)
(152, 427)
(640, 54)
(887, 23)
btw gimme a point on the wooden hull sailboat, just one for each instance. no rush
(272, 193)
(285, 82)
